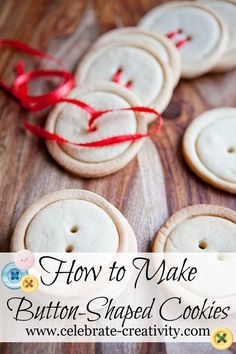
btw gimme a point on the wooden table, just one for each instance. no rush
(148, 190)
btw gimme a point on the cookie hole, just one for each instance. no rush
(189, 38)
(179, 30)
(129, 84)
(202, 245)
(220, 257)
(231, 150)
(69, 249)
(74, 229)
(91, 130)
(119, 70)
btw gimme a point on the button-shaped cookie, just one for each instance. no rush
(206, 236)
(199, 33)
(138, 66)
(227, 10)
(166, 49)
(73, 220)
(198, 228)
(209, 147)
(71, 122)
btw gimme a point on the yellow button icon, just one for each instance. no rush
(29, 283)
(222, 338)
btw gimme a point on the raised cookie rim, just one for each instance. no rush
(189, 149)
(187, 213)
(87, 169)
(227, 62)
(173, 221)
(173, 53)
(127, 238)
(161, 102)
(212, 59)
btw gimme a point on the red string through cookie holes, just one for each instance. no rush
(180, 43)
(117, 78)
(19, 91)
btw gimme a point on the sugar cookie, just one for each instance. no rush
(209, 147)
(71, 122)
(227, 10)
(198, 228)
(208, 234)
(203, 32)
(167, 50)
(73, 220)
(141, 66)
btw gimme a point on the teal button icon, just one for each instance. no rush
(12, 275)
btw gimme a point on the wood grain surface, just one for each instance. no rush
(148, 190)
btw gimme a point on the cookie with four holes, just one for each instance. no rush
(138, 66)
(200, 33)
(71, 122)
(227, 10)
(73, 220)
(209, 147)
(166, 49)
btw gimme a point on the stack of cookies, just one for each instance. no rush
(145, 62)
(204, 31)
(136, 66)
(131, 67)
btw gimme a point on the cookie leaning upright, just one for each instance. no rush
(132, 64)
(199, 33)
(227, 10)
(73, 220)
(71, 122)
(209, 147)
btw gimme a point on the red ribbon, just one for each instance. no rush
(43, 133)
(19, 87)
(19, 91)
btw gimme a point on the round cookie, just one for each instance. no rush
(201, 230)
(205, 32)
(209, 147)
(141, 67)
(71, 122)
(227, 10)
(166, 49)
(73, 220)
(198, 228)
